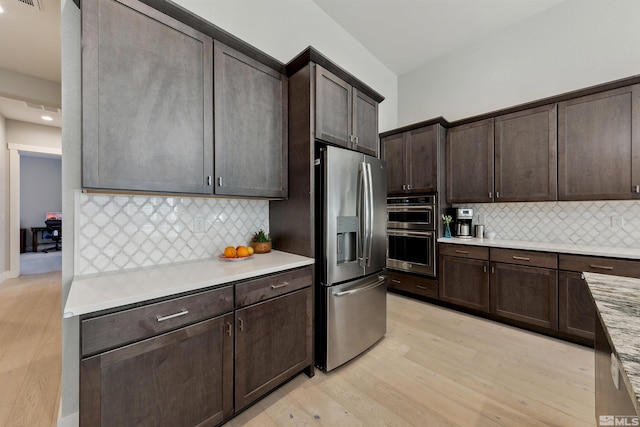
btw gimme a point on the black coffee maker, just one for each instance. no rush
(462, 218)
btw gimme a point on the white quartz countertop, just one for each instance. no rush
(109, 290)
(618, 302)
(566, 248)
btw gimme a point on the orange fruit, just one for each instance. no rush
(230, 252)
(242, 251)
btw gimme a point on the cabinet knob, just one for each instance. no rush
(209, 180)
(490, 195)
(484, 268)
(636, 188)
(408, 186)
(229, 328)
(497, 194)
(241, 324)
(219, 181)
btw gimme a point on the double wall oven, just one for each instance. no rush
(411, 234)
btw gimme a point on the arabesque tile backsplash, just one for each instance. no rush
(117, 232)
(582, 223)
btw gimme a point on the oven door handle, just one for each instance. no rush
(410, 233)
(414, 208)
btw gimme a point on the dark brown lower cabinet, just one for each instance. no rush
(273, 342)
(422, 286)
(464, 282)
(576, 309)
(611, 400)
(180, 378)
(526, 294)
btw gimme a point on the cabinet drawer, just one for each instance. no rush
(415, 285)
(268, 287)
(116, 329)
(532, 258)
(618, 267)
(464, 251)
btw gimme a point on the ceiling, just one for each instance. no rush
(30, 44)
(402, 34)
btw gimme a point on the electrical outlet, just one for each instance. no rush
(616, 222)
(198, 224)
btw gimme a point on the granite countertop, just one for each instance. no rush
(618, 302)
(98, 292)
(566, 248)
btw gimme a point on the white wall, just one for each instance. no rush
(284, 28)
(28, 88)
(577, 44)
(34, 137)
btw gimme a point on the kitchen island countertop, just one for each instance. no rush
(566, 248)
(618, 302)
(105, 291)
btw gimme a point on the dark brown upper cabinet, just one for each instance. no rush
(412, 157)
(344, 115)
(470, 162)
(526, 155)
(599, 146)
(250, 126)
(147, 100)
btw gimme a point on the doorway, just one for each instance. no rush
(40, 208)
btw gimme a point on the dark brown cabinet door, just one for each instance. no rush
(394, 152)
(464, 282)
(610, 400)
(599, 146)
(181, 378)
(470, 163)
(365, 123)
(525, 294)
(422, 159)
(273, 342)
(333, 108)
(147, 100)
(250, 126)
(412, 159)
(576, 309)
(526, 155)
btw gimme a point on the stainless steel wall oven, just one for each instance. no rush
(411, 234)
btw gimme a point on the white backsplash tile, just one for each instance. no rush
(117, 232)
(583, 223)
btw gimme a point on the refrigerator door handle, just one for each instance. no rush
(381, 280)
(362, 208)
(370, 214)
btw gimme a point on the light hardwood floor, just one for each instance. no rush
(30, 350)
(435, 367)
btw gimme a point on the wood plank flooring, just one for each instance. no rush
(435, 367)
(30, 350)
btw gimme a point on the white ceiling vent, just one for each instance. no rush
(42, 107)
(32, 3)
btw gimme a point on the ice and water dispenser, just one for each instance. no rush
(347, 235)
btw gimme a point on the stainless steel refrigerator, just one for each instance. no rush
(351, 300)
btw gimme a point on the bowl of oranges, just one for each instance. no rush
(238, 253)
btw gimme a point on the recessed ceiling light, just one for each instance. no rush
(47, 118)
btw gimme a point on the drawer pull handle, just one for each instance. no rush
(229, 328)
(462, 252)
(171, 316)
(280, 286)
(601, 267)
(424, 288)
(241, 324)
(396, 281)
(521, 258)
